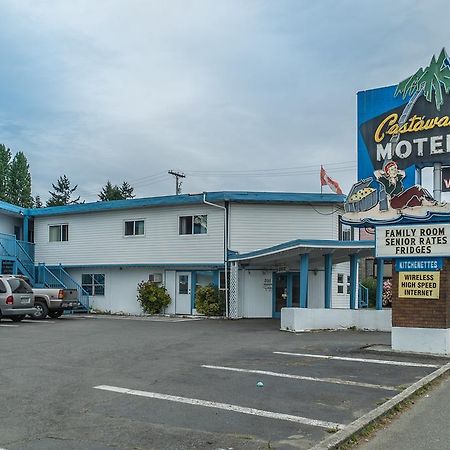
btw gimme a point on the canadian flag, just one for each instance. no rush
(325, 180)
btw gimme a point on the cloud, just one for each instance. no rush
(129, 89)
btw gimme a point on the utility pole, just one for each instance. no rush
(178, 176)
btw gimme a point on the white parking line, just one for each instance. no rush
(7, 325)
(373, 361)
(37, 321)
(224, 406)
(305, 378)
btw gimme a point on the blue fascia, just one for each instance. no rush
(188, 199)
(8, 207)
(187, 266)
(326, 243)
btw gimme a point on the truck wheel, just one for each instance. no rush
(41, 312)
(17, 318)
(55, 314)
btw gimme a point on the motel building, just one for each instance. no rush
(282, 251)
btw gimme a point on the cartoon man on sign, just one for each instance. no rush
(391, 178)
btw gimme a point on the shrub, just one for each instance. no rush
(153, 298)
(210, 301)
(371, 284)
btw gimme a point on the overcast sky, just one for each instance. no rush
(240, 95)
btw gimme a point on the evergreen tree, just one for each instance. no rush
(62, 193)
(38, 202)
(110, 192)
(127, 190)
(5, 161)
(113, 192)
(19, 183)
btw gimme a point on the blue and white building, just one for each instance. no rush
(278, 249)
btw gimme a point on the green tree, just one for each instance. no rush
(38, 202)
(62, 194)
(113, 192)
(5, 161)
(127, 191)
(110, 192)
(19, 182)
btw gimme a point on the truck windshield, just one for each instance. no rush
(19, 286)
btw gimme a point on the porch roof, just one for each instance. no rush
(290, 251)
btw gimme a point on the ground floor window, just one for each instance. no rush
(93, 283)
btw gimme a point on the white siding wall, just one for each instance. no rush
(256, 226)
(7, 223)
(98, 238)
(254, 294)
(121, 288)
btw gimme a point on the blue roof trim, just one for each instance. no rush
(12, 208)
(297, 243)
(190, 199)
(186, 266)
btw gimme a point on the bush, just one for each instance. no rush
(210, 301)
(153, 298)
(371, 284)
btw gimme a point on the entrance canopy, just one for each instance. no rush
(288, 254)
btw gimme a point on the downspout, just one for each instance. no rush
(225, 247)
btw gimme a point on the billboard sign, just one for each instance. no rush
(400, 128)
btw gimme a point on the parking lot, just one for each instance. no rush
(131, 383)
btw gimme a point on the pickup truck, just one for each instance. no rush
(53, 302)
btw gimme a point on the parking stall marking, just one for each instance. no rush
(8, 325)
(38, 321)
(304, 378)
(224, 406)
(373, 361)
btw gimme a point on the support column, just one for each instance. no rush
(380, 272)
(304, 266)
(25, 228)
(233, 310)
(353, 280)
(328, 279)
(419, 176)
(437, 181)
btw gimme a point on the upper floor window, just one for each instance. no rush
(134, 227)
(193, 224)
(346, 232)
(58, 233)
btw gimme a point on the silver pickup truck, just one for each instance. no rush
(53, 302)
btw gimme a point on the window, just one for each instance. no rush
(58, 233)
(345, 232)
(2, 288)
(134, 227)
(93, 283)
(19, 286)
(340, 283)
(348, 284)
(193, 224)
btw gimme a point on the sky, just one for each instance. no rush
(237, 94)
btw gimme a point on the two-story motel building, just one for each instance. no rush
(279, 249)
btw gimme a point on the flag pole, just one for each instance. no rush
(321, 186)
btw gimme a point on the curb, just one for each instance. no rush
(353, 428)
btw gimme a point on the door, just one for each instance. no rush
(183, 293)
(281, 293)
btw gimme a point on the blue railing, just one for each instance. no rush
(7, 245)
(48, 278)
(363, 296)
(25, 256)
(70, 283)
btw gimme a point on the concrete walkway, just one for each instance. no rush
(424, 426)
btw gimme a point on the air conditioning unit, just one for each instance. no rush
(155, 277)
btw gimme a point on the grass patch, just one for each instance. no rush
(382, 422)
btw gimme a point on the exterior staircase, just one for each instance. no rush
(17, 258)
